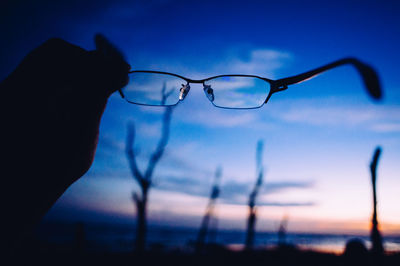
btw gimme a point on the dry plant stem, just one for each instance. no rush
(251, 221)
(376, 238)
(144, 180)
(209, 213)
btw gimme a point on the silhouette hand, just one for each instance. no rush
(53, 103)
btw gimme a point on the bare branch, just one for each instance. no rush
(136, 198)
(130, 152)
(260, 173)
(215, 190)
(374, 163)
(260, 147)
(157, 154)
(164, 94)
(145, 181)
(251, 220)
(209, 213)
(376, 238)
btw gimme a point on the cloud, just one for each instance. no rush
(273, 187)
(219, 118)
(177, 173)
(200, 112)
(237, 192)
(149, 129)
(231, 192)
(237, 60)
(264, 62)
(386, 127)
(376, 118)
(184, 184)
(177, 158)
(328, 115)
(287, 204)
(314, 112)
(108, 142)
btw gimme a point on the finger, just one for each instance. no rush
(107, 49)
(114, 66)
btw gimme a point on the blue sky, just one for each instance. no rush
(319, 136)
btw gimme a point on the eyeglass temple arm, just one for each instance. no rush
(368, 74)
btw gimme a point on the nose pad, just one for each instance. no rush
(209, 92)
(184, 91)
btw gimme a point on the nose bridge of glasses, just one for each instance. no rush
(195, 80)
(206, 88)
(184, 91)
(209, 92)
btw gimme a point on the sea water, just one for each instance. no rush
(120, 238)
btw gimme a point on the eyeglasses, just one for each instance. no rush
(157, 88)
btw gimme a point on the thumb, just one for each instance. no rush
(107, 49)
(112, 64)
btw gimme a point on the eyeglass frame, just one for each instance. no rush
(368, 74)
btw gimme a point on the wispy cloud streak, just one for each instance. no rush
(377, 118)
(232, 192)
